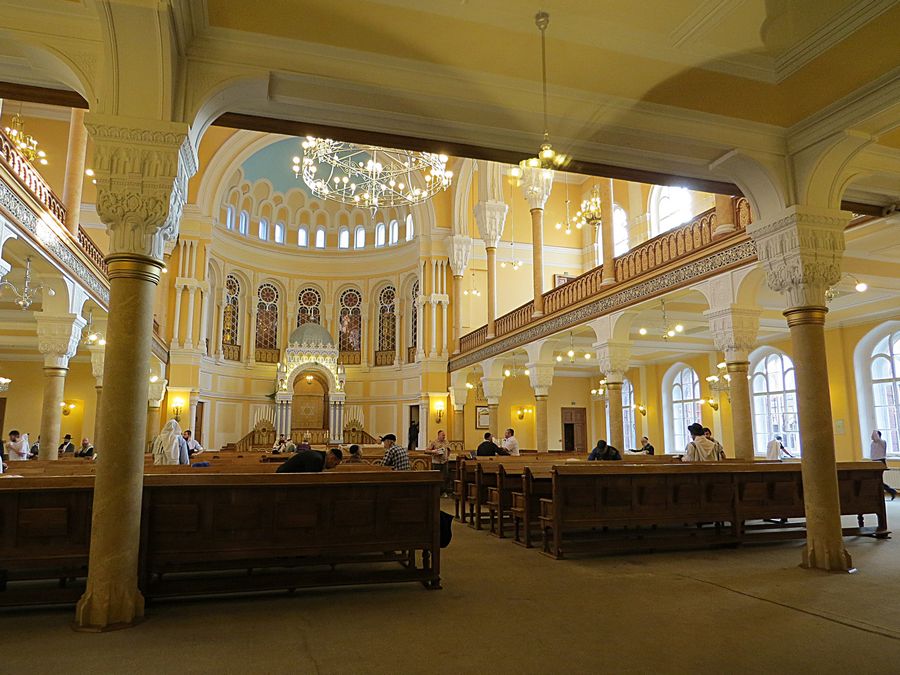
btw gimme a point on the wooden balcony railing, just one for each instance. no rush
(30, 178)
(231, 352)
(350, 358)
(91, 250)
(644, 259)
(385, 358)
(267, 355)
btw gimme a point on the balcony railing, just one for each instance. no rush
(30, 178)
(92, 250)
(231, 352)
(267, 355)
(350, 358)
(644, 259)
(385, 358)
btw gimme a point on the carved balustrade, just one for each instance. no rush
(515, 319)
(385, 358)
(30, 178)
(231, 352)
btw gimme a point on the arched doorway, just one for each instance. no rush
(309, 406)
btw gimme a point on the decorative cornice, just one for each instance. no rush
(741, 253)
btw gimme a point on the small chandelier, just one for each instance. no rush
(26, 144)
(28, 294)
(568, 223)
(547, 158)
(4, 383)
(590, 213)
(668, 331)
(516, 370)
(474, 292)
(721, 381)
(370, 176)
(514, 262)
(833, 292)
(599, 392)
(570, 353)
(91, 337)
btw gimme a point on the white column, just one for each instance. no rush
(176, 324)
(420, 329)
(189, 333)
(204, 321)
(433, 351)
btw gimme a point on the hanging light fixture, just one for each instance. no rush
(89, 336)
(590, 213)
(547, 158)
(25, 143)
(834, 291)
(370, 176)
(472, 290)
(668, 330)
(721, 381)
(28, 294)
(567, 224)
(599, 392)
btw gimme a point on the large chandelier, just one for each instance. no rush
(26, 144)
(368, 175)
(668, 331)
(547, 158)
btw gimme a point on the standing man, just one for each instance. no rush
(17, 449)
(700, 448)
(439, 449)
(412, 436)
(720, 451)
(878, 452)
(194, 448)
(395, 456)
(775, 448)
(66, 445)
(510, 444)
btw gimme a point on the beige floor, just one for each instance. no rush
(510, 610)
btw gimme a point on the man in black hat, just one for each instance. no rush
(66, 445)
(395, 456)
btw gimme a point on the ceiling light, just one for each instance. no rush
(527, 371)
(587, 355)
(861, 286)
(642, 331)
(506, 373)
(558, 358)
(469, 385)
(570, 353)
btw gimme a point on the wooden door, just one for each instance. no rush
(198, 423)
(575, 421)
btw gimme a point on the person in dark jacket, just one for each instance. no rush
(412, 437)
(311, 461)
(646, 448)
(487, 448)
(603, 452)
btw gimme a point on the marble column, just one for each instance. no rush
(491, 291)
(493, 389)
(457, 311)
(734, 329)
(97, 358)
(801, 251)
(459, 423)
(459, 250)
(606, 229)
(536, 185)
(142, 168)
(74, 180)
(540, 375)
(176, 319)
(58, 337)
(724, 216)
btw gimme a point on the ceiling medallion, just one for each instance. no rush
(369, 176)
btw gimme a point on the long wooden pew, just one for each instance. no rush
(224, 533)
(619, 507)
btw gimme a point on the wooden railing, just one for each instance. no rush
(231, 352)
(258, 440)
(359, 436)
(267, 355)
(642, 260)
(91, 250)
(350, 358)
(30, 178)
(385, 358)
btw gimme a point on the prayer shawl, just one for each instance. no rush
(166, 446)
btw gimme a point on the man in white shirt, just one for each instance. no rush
(17, 448)
(775, 448)
(194, 448)
(510, 444)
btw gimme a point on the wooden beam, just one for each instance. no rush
(27, 92)
(300, 129)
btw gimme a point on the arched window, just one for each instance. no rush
(410, 228)
(884, 367)
(620, 231)
(303, 236)
(231, 314)
(669, 207)
(394, 233)
(244, 223)
(279, 233)
(681, 394)
(360, 237)
(379, 234)
(774, 395)
(263, 229)
(387, 324)
(229, 218)
(344, 238)
(267, 317)
(628, 422)
(413, 320)
(320, 237)
(349, 339)
(309, 300)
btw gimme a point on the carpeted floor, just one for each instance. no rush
(505, 609)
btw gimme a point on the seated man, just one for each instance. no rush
(646, 448)
(604, 452)
(311, 461)
(355, 455)
(280, 445)
(487, 448)
(395, 456)
(194, 448)
(86, 449)
(67, 445)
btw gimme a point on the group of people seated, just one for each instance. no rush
(701, 448)
(491, 447)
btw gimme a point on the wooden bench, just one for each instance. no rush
(225, 533)
(618, 507)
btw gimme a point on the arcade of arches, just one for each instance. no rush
(195, 276)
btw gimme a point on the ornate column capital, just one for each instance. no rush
(536, 186)
(58, 338)
(612, 359)
(141, 168)
(541, 378)
(493, 389)
(801, 251)
(459, 250)
(734, 330)
(156, 391)
(491, 216)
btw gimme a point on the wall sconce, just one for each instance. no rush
(177, 407)
(712, 403)
(4, 383)
(438, 411)
(67, 408)
(154, 379)
(640, 408)
(309, 379)
(521, 412)
(469, 385)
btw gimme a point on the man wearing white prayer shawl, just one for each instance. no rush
(169, 447)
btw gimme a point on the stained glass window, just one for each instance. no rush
(267, 317)
(387, 323)
(310, 301)
(231, 311)
(349, 339)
